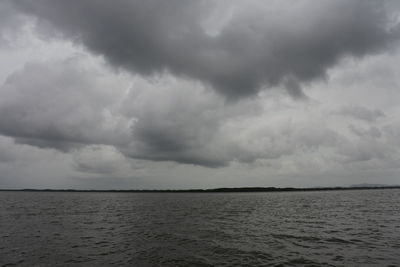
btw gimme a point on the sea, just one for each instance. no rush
(319, 228)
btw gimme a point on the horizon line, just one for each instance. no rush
(212, 190)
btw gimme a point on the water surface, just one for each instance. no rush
(335, 228)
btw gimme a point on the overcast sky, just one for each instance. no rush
(135, 94)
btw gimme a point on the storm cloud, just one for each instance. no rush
(58, 106)
(66, 106)
(173, 94)
(237, 47)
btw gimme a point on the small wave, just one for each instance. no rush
(298, 237)
(302, 262)
(338, 240)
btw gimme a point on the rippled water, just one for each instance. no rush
(338, 228)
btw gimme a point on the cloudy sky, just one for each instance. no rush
(134, 94)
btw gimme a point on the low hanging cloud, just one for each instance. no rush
(66, 106)
(99, 159)
(59, 105)
(237, 47)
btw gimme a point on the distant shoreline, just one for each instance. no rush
(214, 190)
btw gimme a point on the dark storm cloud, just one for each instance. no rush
(260, 44)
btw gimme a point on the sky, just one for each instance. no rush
(151, 94)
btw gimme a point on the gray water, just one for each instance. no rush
(336, 228)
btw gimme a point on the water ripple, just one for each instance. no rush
(338, 228)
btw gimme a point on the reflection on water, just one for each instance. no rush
(338, 228)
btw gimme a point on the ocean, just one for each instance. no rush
(321, 228)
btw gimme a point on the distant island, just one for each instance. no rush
(220, 190)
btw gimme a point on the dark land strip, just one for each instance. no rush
(214, 190)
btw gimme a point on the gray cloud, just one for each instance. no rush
(23, 166)
(99, 159)
(177, 120)
(59, 105)
(250, 45)
(65, 106)
(361, 113)
(10, 23)
(100, 120)
(372, 132)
